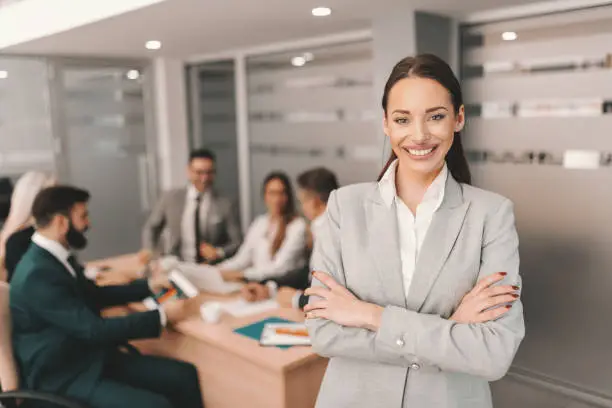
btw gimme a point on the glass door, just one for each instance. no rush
(104, 123)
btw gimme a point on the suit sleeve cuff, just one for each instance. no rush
(251, 274)
(272, 289)
(396, 332)
(221, 253)
(163, 318)
(295, 302)
(92, 273)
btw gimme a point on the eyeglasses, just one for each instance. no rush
(205, 172)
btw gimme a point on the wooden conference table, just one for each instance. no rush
(235, 371)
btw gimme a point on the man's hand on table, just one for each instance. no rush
(116, 277)
(159, 283)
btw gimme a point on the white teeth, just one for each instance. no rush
(420, 152)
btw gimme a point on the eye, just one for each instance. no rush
(438, 116)
(401, 121)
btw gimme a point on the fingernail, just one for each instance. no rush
(508, 306)
(515, 296)
(516, 287)
(503, 273)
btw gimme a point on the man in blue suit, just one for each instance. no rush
(63, 344)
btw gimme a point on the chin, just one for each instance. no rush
(425, 167)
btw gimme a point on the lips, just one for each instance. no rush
(421, 152)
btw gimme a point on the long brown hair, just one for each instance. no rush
(288, 212)
(432, 67)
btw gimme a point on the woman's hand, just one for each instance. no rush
(484, 302)
(339, 305)
(255, 292)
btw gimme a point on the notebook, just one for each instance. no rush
(284, 334)
(254, 331)
(240, 307)
(208, 278)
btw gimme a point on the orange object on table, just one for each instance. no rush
(293, 332)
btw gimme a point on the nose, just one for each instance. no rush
(421, 132)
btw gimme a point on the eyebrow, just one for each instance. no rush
(427, 111)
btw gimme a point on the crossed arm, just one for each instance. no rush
(343, 326)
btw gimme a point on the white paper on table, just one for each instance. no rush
(240, 307)
(208, 278)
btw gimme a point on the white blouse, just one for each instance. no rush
(254, 256)
(412, 228)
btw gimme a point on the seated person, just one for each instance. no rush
(62, 343)
(18, 229)
(202, 225)
(314, 188)
(276, 242)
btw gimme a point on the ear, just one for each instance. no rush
(385, 125)
(460, 123)
(61, 222)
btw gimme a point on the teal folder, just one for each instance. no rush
(254, 330)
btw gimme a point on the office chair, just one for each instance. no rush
(7, 361)
(6, 190)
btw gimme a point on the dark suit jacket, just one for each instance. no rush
(298, 279)
(60, 341)
(16, 247)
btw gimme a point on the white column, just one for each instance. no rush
(401, 32)
(394, 37)
(171, 121)
(242, 131)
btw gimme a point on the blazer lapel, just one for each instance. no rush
(438, 244)
(383, 245)
(176, 210)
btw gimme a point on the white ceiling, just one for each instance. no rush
(195, 27)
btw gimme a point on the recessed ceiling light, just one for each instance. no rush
(321, 11)
(133, 74)
(298, 61)
(153, 45)
(308, 56)
(509, 36)
(3, 74)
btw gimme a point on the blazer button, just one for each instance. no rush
(415, 367)
(400, 343)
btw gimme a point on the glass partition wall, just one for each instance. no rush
(310, 108)
(295, 110)
(539, 97)
(88, 122)
(213, 119)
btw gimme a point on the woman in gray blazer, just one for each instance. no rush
(415, 298)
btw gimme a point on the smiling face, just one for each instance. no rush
(421, 122)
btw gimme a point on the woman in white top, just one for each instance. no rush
(276, 242)
(20, 216)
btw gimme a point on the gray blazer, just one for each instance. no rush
(418, 358)
(222, 228)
